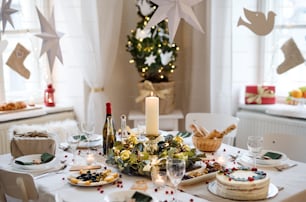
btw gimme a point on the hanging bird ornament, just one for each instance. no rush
(258, 23)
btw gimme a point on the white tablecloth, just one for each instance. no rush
(55, 187)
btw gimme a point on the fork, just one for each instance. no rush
(285, 166)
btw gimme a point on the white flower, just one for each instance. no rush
(147, 168)
(166, 57)
(142, 34)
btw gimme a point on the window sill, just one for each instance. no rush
(39, 111)
(284, 110)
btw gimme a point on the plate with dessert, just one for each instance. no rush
(201, 174)
(267, 158)
(91, 178)
(233, 183)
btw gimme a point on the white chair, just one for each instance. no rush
(213, 121)
(292, 145)
(17, 185)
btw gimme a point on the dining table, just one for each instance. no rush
(54, 185)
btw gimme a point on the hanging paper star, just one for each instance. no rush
(150, 59)
(6, 13)
(50, 44)
(174, 10)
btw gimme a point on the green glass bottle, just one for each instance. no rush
(104, 132)
(111, 136)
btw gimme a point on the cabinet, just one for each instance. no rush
(167, 122)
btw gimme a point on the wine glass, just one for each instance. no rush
(73, 141)
(255, 144)
(87, 129)
(175, 170)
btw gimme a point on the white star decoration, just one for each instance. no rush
(6, 13)
(50, 44)
(174, 10)
(142, 34)
(150, 59)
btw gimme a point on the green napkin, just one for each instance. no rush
(140, 197)
(45, 158)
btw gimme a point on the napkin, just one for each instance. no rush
(140, 197)
(21, 146)
(44, 158)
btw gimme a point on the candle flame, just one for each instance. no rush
(152, 93)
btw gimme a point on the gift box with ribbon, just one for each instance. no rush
(260, 95)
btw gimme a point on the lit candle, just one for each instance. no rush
(159, 181)
(31, 101)
(90, 159)
(152, 115)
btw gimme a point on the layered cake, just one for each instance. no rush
(242, 184)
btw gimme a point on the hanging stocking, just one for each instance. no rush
(293, 56)
(16, 60)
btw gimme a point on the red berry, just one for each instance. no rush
(191, 200)
(224, 150)
(155, 189)
(101, 191)
(166, 192)
(250, 179)
(172, 192)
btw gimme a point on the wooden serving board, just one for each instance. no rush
(77, 168)
(28, 108)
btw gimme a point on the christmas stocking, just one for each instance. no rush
(16, 59)
(293, 56)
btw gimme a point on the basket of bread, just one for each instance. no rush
(207, 141)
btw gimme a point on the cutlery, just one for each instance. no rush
(49, 172)
(285, 166)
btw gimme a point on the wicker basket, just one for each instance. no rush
(206, 144)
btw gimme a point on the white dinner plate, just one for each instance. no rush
(273, 191)
(201, 178)
(123, 196)
(248, 159)
(30, 158)
(93, 141)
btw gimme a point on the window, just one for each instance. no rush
(26, 24)
(290, 22)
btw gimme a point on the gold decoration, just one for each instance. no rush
(148, 89)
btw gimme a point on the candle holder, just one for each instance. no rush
(159, 177)
(151, 144)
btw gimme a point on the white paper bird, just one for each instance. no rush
(259, 24)
(51, 38)
(6, 12)
(142, 34)
(145, 7)
(174, 10)
(165, 57)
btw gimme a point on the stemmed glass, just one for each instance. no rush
(176, 169)
(255, 144)
(73, 141)
(87, 129)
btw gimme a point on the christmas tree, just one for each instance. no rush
(151, 51)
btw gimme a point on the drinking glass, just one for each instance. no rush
(176, 169)
(73, 141)
(87, 129)
(255, 144)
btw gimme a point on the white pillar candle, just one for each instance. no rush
(152, 115)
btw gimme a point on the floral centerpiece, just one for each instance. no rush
(133, 157)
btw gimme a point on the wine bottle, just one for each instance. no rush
(111, 136)
(104, 132)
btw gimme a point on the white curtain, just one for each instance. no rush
(101, 22)
(221, 57)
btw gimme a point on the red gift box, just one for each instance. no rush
(260, 95)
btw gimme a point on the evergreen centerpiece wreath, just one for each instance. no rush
(135, 158)
(151, 51)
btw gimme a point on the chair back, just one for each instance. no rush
(213, 121)
(17, 185)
